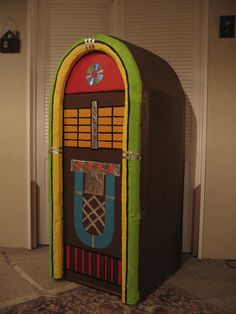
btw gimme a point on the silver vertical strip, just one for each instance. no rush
(94, 118)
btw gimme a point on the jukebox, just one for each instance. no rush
(116, 168)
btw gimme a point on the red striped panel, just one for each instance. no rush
(105, 266)
(90, 263)
(119, 273)
(83, 261)
(112, 270)
(93, 264)
(68, 257)
(76, 259)
(98, 266)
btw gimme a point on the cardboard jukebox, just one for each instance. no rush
(117, 163)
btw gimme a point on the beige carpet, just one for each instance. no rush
(24, 276)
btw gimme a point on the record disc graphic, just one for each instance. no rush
(94, 74)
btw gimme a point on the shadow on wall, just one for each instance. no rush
(190, 244)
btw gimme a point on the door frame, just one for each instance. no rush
(32, 32)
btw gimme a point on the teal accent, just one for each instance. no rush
(103, 240)
(110, 186)
(79, 182)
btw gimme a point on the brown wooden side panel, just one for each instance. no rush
(162, 174)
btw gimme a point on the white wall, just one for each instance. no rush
(13, 215)
(219, 238)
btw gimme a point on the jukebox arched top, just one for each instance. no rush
(94, 72)
(117, 112)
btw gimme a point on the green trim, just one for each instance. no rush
(134, 130)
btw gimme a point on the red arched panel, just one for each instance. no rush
(94, 72)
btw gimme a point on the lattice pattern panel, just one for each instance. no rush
(94, 214)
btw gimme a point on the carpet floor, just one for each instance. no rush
(84, 300)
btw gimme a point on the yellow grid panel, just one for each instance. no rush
(70, 136)
(85, 136)
(118, 121)
(105, 121)
(117, 145)
(70, 121)
(119, 111)
(70, 143)
(118, 137)
(84, 121)
(70, 113)
(105, 137)
(105, 129)
(105, 112)
(85, 128)
(84, 113)
(70, 128)
(104, 144)
(77, 127)
(84, 144)
(118, 128)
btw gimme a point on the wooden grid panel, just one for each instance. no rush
(110, 127)
(77, 127)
